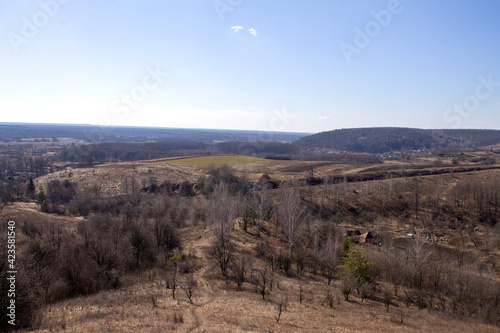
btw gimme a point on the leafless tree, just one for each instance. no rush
(55, 233)
(175, 260)
(222, 253)
(260, 203)
(387, 295)
(419, 253)
(221, 219)
(222, 211)
(461, 252)
(189, 285)
(417, 196)
(263, 279)
(330, 298)
(164, 234)
(130, 184)
(330, 258)
(348, 283)
(281, 306)
(240, 269)
(292, 215)
(101, 250)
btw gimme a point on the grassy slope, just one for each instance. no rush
(111, 178)
(213, 160)
(145, 304)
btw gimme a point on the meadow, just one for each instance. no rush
(216, 160)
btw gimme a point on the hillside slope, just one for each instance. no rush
(386, 139)
(145, 302)
(461, 297)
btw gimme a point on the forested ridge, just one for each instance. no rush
(387, 139)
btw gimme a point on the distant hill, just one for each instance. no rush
(98, 134)
(378, 140)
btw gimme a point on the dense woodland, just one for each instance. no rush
(382, 140)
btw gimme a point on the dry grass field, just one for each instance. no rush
(115, 179)
(212, 160)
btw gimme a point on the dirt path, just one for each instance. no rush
(204, 291)
(206, 288)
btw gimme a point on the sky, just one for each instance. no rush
(280, 65)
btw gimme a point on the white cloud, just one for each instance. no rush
(253, 32)
(236, 28)
(323, 118)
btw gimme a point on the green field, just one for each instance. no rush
(213, 160)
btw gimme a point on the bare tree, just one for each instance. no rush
(245, 210)
(260, 202)
(164, 233)
(348, 283)
(387, 295)
(240, 268)
(130, 184)
(419, 253)
(263, 279)
(330, 298)
(417, 193)
(222, 252)
(175, 260)
(101, 250)
(222, 211)
(461, 252)
(292, 215)
(19, 190)
(189, 285)
(330, 258)
(364, 290)
(222, 215)
(281, 306)
(55, 234)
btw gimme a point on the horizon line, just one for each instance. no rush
(239, 130)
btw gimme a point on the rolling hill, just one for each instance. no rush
(378, 140)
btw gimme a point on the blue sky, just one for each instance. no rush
(306, 66)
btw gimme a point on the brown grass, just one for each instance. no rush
(144, 304)
(111, 178)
